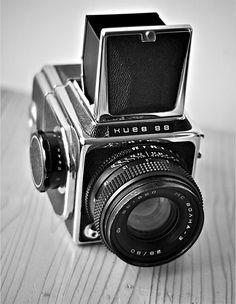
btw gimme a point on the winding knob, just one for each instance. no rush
(48, 160)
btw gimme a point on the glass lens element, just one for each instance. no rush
(151, 217)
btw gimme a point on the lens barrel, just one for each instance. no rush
(145, 205)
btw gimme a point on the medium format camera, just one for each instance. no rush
(111, 144)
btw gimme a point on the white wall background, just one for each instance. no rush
(35, 33)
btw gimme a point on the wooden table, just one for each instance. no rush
(40, 263)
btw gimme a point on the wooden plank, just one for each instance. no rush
(40, 263)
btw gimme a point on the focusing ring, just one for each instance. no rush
(125, 156)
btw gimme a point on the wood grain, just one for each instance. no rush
(40, 264)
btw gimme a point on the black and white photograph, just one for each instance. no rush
(117, 152)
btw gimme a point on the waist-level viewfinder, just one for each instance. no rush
(134, 65)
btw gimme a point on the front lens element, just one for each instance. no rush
(151, 218)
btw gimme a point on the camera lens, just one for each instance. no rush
(152, 218)
(146, 207)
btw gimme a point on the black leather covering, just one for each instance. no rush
(145, 77)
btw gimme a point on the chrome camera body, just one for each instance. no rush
(110, 140)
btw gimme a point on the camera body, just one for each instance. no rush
(111, 132)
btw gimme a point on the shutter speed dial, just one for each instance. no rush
(48, 160)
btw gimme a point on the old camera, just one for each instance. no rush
(111, 143)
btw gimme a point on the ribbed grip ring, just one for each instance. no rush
(124, 156)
